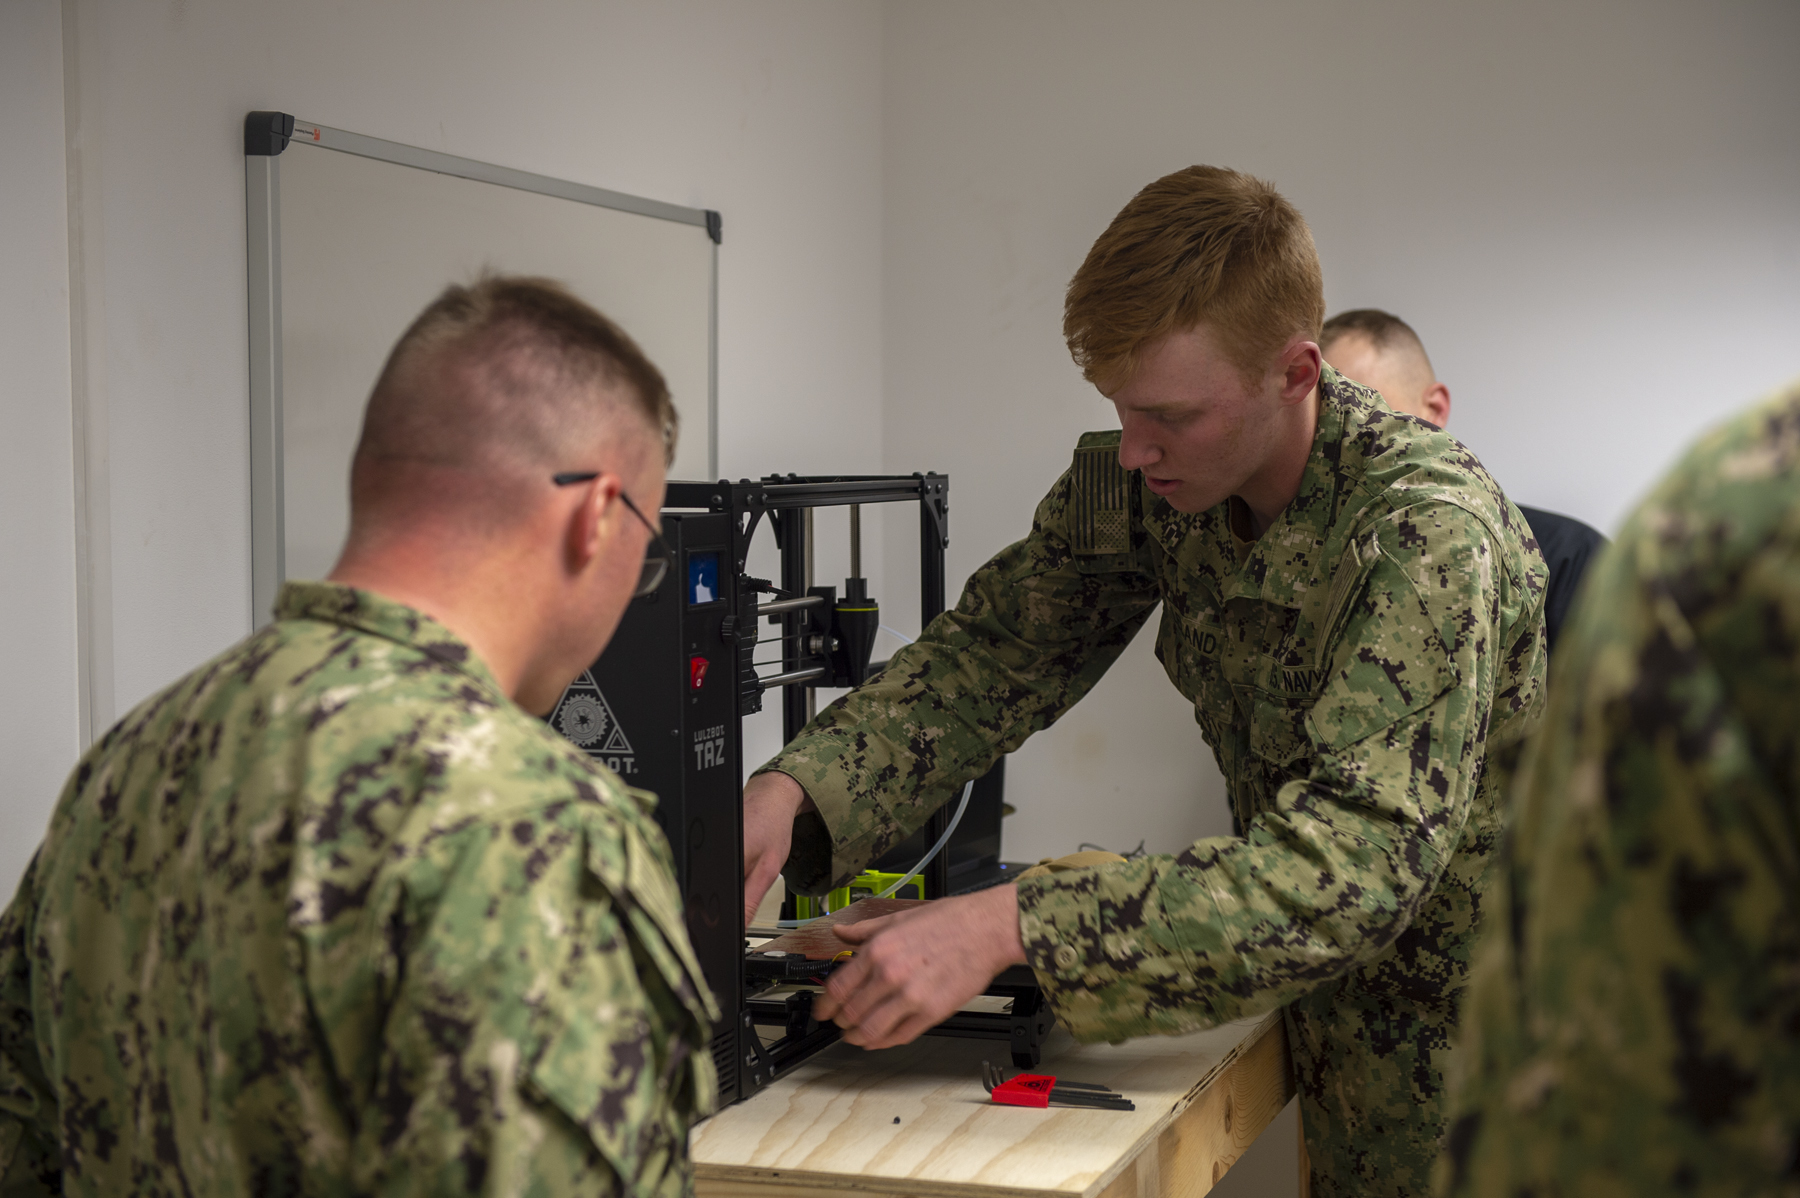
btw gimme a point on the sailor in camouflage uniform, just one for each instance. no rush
(335, 914)
(1359, 642)
(1633, 1024)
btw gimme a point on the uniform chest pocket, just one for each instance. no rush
(1278, 732)
(1284, 686)
(1190, 651)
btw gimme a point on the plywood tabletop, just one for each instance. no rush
(916, 1120)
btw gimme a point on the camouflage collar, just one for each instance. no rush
(365, 611)
(1296, 552)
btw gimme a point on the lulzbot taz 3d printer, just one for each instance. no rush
(662, 707)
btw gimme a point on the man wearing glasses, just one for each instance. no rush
(657, 554)
(337, 912)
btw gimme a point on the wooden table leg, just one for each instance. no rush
(1194, 1151)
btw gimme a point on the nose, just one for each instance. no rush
(1137, 445)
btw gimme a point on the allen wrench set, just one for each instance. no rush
(1044, 1090)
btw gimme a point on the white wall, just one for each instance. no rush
(767, 112)
(1587, 211)
(39, 719)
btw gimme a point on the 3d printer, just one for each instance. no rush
(663, 706)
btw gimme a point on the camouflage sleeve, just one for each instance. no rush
(1634, 1026)
(29, 1161)
(1031, 634)
(546, 1033)
(1383, 769)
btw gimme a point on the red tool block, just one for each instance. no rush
(1027, 1089)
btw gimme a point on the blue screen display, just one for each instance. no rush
(703, 578)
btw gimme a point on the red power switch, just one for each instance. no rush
(697, 670)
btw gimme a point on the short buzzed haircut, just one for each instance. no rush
(510, 372)
(1384, 330)
(1203, 244)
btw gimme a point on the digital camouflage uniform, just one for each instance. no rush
(333, 915)
(1634, 1026)
(1351, 669)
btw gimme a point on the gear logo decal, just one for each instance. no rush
(585, 717)
(584, 721)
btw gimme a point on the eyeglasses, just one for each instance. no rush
(657, 555)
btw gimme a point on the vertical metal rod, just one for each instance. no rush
(791, 536)
(856, 540)
(931, 549)
(810, 582)
(812, 697)
(931, 605)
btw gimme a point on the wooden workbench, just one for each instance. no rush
(915, 1121)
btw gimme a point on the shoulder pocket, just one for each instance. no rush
(629, 1061)
(1103, 507)
(625, 862)
(1388, 662)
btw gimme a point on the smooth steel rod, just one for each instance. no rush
(776, 606)
(856, 540)
(792, 676)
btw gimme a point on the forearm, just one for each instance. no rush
(1235, 926)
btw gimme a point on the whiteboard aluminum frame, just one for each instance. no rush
(262, 201)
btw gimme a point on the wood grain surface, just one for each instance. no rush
(916, 1121)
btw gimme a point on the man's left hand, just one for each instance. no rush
(914, 969)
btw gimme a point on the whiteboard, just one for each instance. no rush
(350, 237)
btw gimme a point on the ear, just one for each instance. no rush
(594, 521)
(1435, 404)
(1299, 365)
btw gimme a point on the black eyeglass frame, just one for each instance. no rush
(657, 556)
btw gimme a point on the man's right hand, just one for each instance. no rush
(771, 801)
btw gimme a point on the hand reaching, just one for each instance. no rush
(771, 801)
(914, 969)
